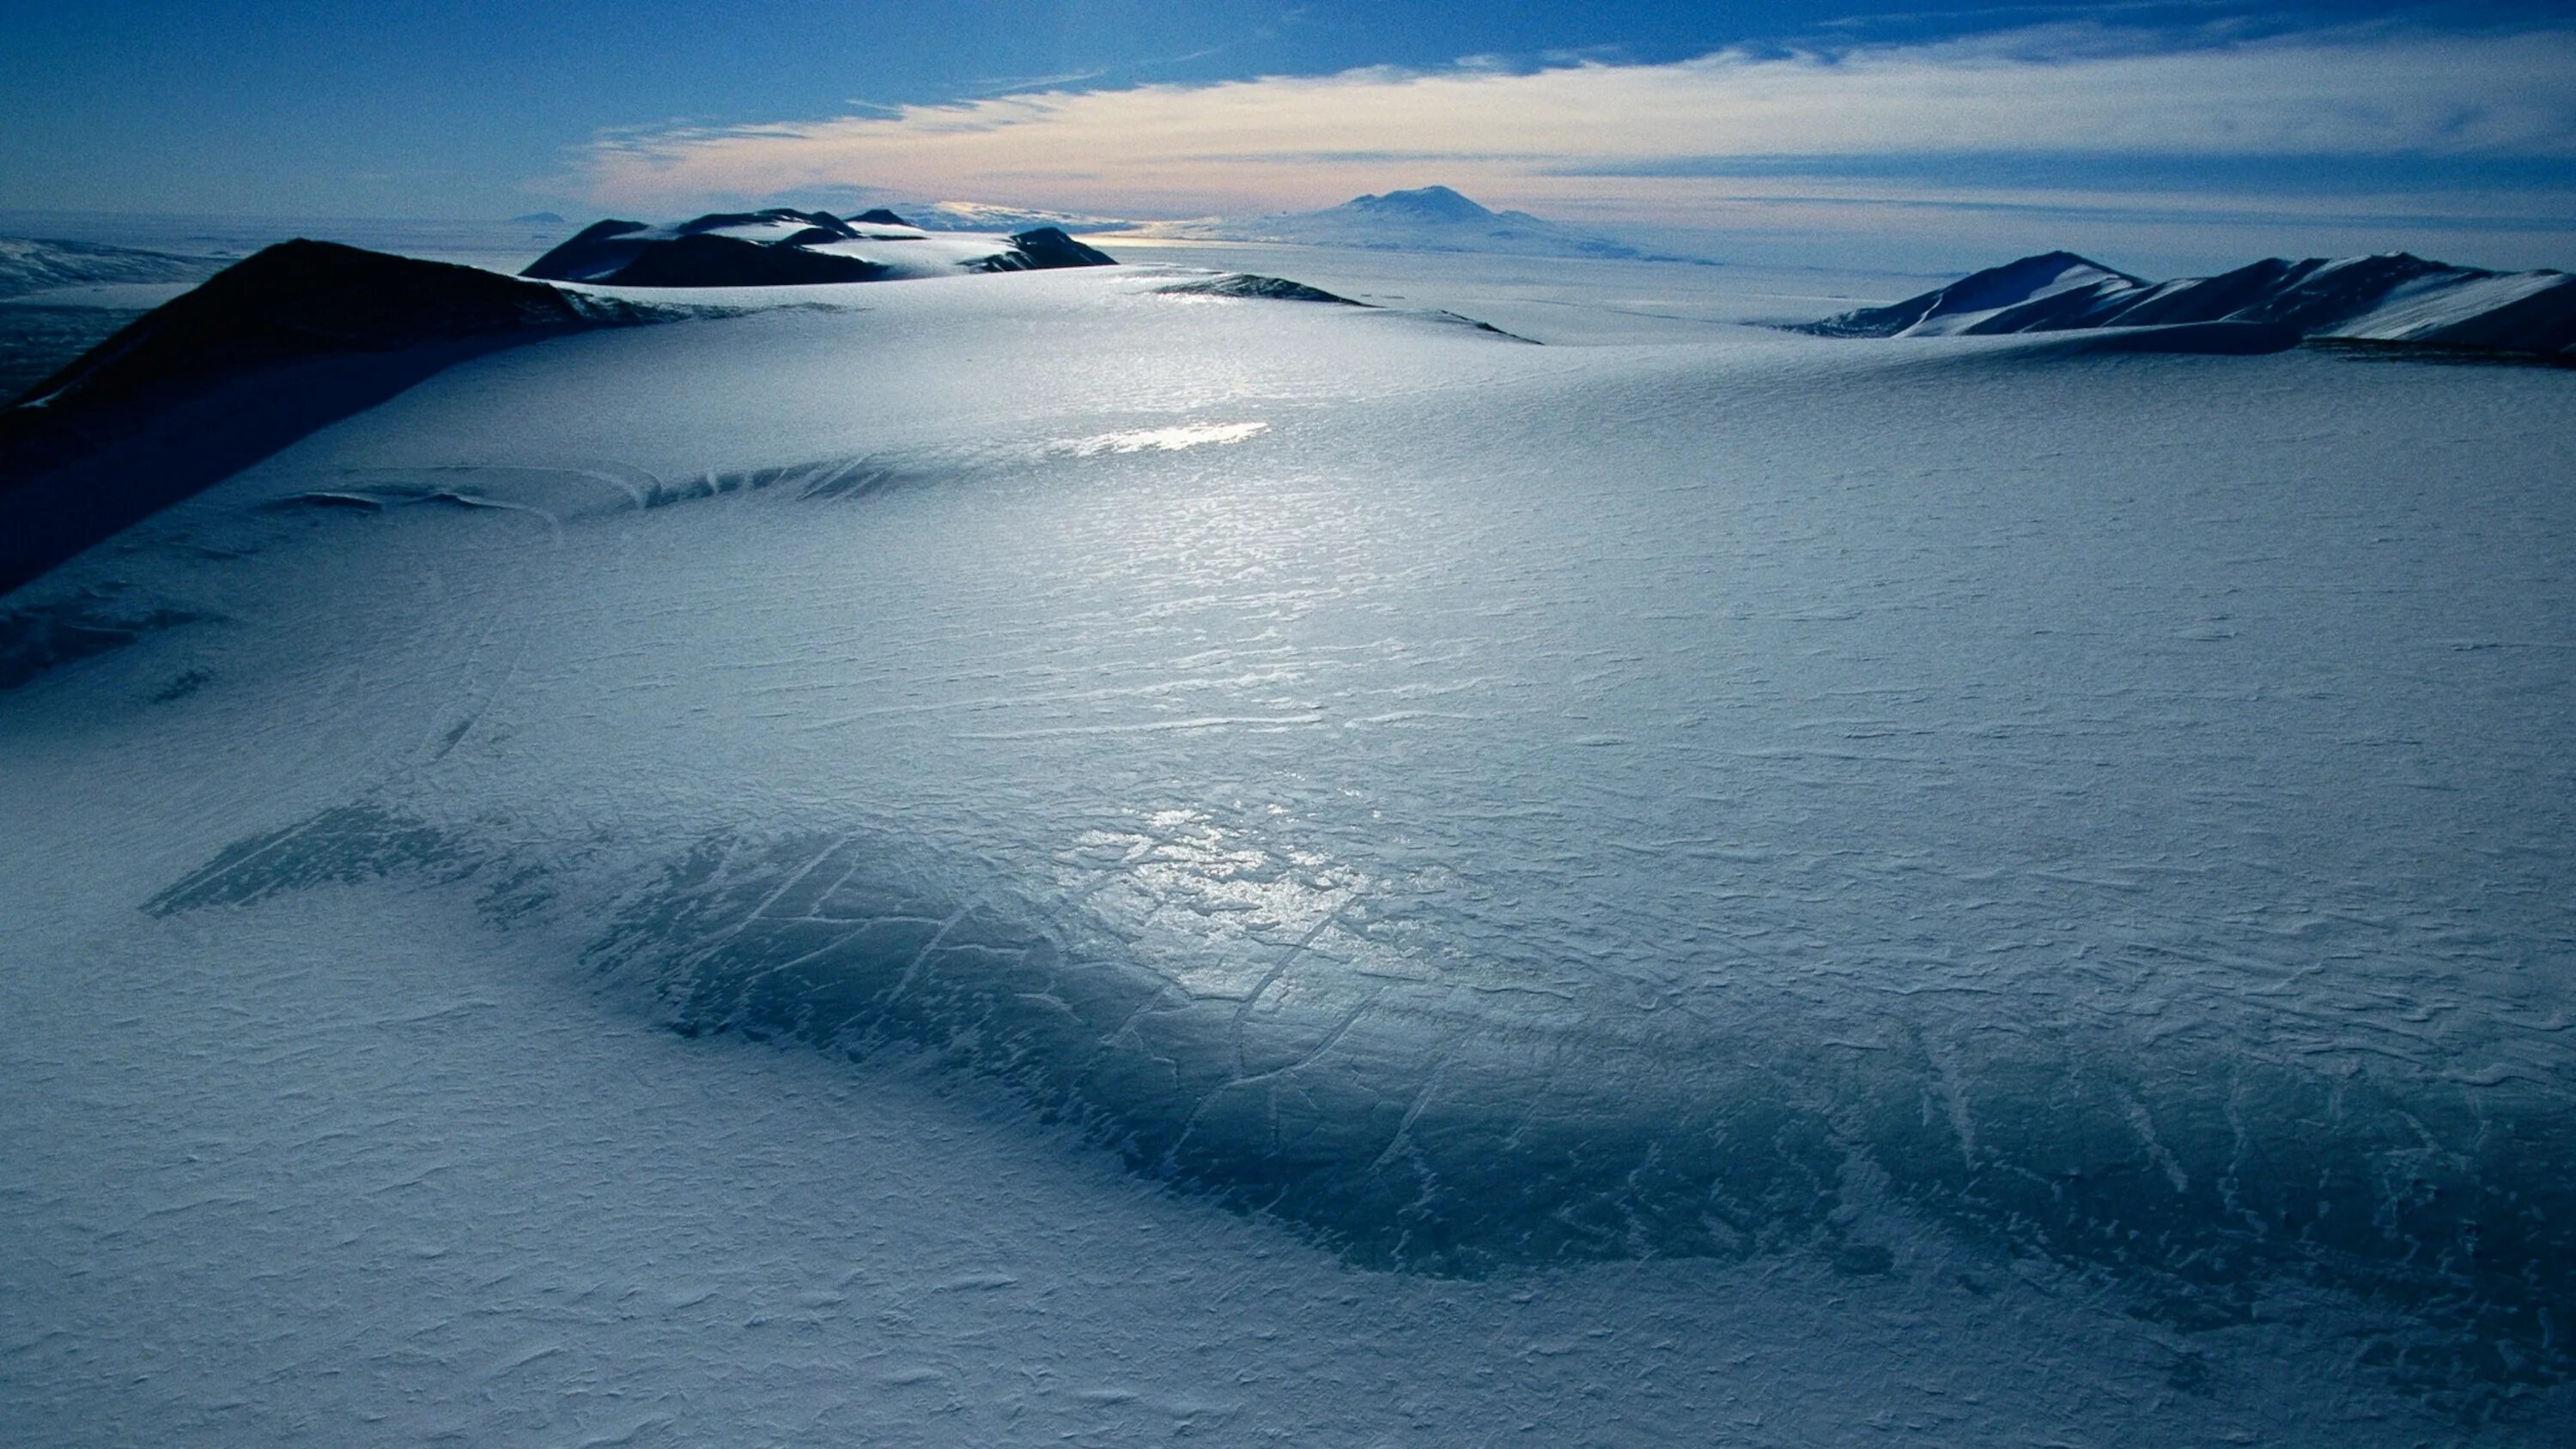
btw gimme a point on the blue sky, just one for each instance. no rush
(2182, 129)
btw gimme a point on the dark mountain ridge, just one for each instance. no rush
(779, 247)
(285, 341)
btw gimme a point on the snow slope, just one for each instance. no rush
(28, 265)
(268, 349)
(2392, 298)
(771, 879)
(1974, 301)
(58, 299)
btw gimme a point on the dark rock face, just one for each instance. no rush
(814, 220)
(39, 341)
(2012, 284)
(593, 252)
(723, 261)
(285, 341)
(699, 253)
(879, 216)
(1044, 249)
(303, 299)
(1249, 285)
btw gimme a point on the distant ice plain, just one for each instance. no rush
(1706, 886)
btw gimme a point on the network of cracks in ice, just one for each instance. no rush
(1430, 1115)
(1479, 852)
(1645, 1043)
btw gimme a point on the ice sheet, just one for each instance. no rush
(2018, 897)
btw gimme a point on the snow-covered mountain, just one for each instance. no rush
(977, 216)
(784, 247)
(1428, 218)
(293, 336)
(1966, 304)
(2392, 298)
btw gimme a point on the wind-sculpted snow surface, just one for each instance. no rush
(1468, 1116)
(1943, 836)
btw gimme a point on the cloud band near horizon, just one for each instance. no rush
(1641, 142)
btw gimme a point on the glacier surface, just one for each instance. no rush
(769, 878)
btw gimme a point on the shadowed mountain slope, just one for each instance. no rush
(28, 265)
(292, 338)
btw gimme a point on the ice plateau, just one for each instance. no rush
(820, 875)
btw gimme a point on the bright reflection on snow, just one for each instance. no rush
(1164, 440)
(1232, 900)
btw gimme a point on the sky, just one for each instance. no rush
(2183, 133)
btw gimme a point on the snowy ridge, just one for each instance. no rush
(2395, 297)
(305, 298)
(785, 247)
(1971, 302)
(977, 216)
(210, 380)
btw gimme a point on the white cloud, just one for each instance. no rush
(1525, 138)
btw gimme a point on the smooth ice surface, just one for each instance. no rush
(1748, 891)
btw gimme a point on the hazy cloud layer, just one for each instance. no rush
(1648, 141)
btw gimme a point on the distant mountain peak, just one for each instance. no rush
(1422, 203)
(1424, 218)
